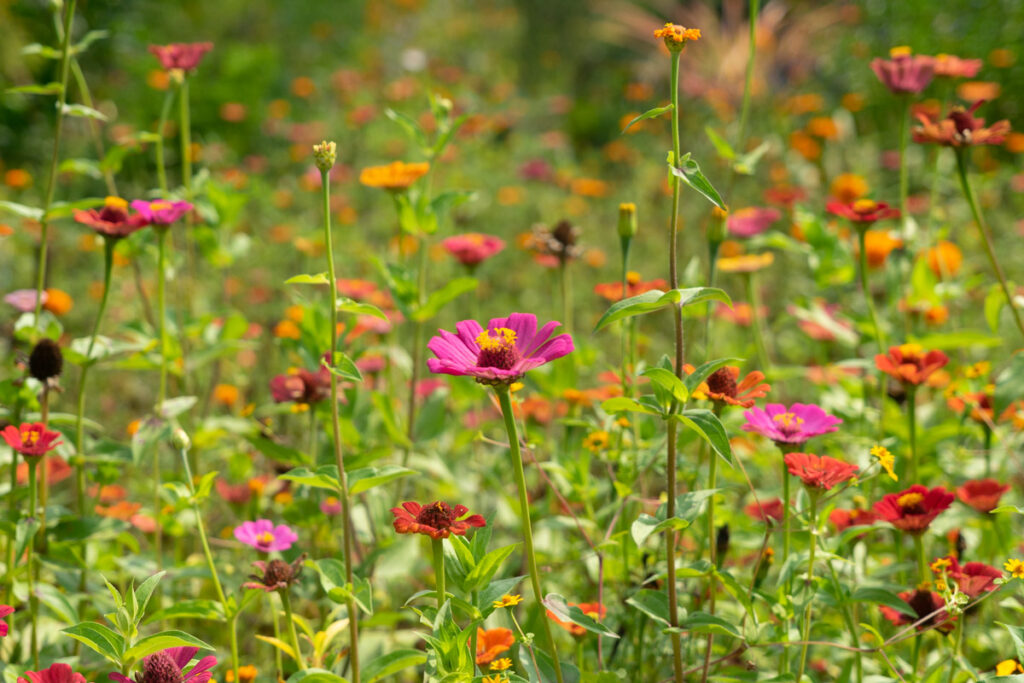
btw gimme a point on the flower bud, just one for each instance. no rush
(180, 440)
(324, 155)
(46, 360)
(627, 220)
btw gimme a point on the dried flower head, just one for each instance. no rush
(275, 574)
(46, 361)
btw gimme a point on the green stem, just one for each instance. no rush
(986, 238)
(809, 585)
(286, 601)
(912, 429)
(161, 169)
(749, 79)
(474, 598)
(339, 459)
(437, 545)
(234, 643)
(956, 649)
(712, 542)
(755, 321)
(566, 291)
(51, 183)
(33, 603)
(278, 662)
(161, 304)
(904, 141)
(784, 661)
(515, 453)
(851, 624)
(186, 139)
(922, 562)
(866, 290)
(625, 243)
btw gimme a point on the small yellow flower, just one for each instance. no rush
(516, 386)
(507, 601)
(940, 564)
(1015, 567)
(1008, 667)
(496, 678)
(595, 442)
(501, 664)
(978, 369)
(886, 459)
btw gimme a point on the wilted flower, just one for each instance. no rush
(264, 536)
(960, 129)
(502, 353)
(276, 575)
(491, 643)
(437, 520)
(794, 425)
(183, 56)
(723, 387)
(472, 248)
(904, 72)
(57, 673)
(301, 386)
(113, 220)
(819, 472)
(910, 364)
(914, 509)
(161, 213)
(559, 241)
(923, 602)
(395, 176)
(168, 666)
(32, 439)
(982, 494)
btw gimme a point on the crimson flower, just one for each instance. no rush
(844, 519)
(960, 128)
(472, 248)
(982, 494)
(910, 364)
(821, 472)
(32, 440)
(923, 603)
(973, 578)
(57, 673)
(184, 56)
(914, 509)
(864, 211)
(437, 520)
(168, 666)
(113, 220)
(904, 72)
(5, 611)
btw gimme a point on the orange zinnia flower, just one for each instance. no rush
(593, 610)
(395, 176)
(910, 364)
(491, 643)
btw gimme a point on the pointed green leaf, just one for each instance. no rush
(366, 478)
(689, 173)
(652, 603)
(667, 380)
(655, 300)
(573, 614)
(649, 114)
(346, 305)
(308, 279)
(707, 425)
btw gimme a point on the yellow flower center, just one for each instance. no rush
(266, 538)
(159, 206)
(900, 51)
(115, 203)
(788, 420)
(865, 205)
(29, 437)
(909, 500)
(910, 350)
(498, 339)
(632, 277)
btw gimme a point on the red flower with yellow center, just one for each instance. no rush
(862, 210)
(911, 364)
(819, 472)
(437, 520)
(923, 603)
(914, 509)
(31, 439)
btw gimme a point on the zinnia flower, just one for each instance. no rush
(264, 536)
(491, 643)
(745, 263)
(184, 56)
(923, 603)
(437, 520)
(302, 386)
(844, 519)
(558, 243)
(5, 611)
(752, 220)
(904, 72)
(675, 36)
(593, 610)
(794, 425)
(113, 220)
(973, 578)
(819, 472)
(24, 299)
(878, 244)
(168, 666)
(502, 353)
(914, 509)
(721, 387)
(472, 248)
(275, 575)
(766, 511)
(862, 211)
(951, 66)
(32, 439)
(161, 212)
(960, 128)
(612, 291)
(57, 673)
(395, 176)
(982, 494)
(910, 364)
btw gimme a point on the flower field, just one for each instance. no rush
(537, 342)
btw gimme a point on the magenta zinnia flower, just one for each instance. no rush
(752, 220)
(161, 212)
(184, 56)
(32, 439)
(57, 673)
(168, 666)
(472, 248)
(904, 73)
(793, 425)
(5, 611)
(502, 353)
(264, 536)
(24, 299)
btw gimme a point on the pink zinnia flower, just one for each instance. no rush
(264, 536)
(113, 220)
(57, 673)
(5, 611)
(472, 248)
(331, 506)
(793, 425)
(168, 666)
(904, 73)
(752, 220)
(24, 299)
(161, 212)
(32, 439)
(184, 56)
(952, 66)
(502, 353)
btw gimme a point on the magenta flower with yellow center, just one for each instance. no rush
(263, 535)
(502, 353)
(904, 72)
(794, 425)
(161, 212)
(183, 56)
(472, 248)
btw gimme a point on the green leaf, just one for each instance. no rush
(365, 478)
(723, 148)
(652, 603)
(44, 89)
(308, 279)
(82, 111)
(323, 477)
(21, 210)
(98, 638)
(689, 173)
(24, 532)
(667, 380)
(487, 567)
(57, 602)
(173, 407)
(276, 451)
(622, 404)
(440, 297)
(346, 305)
(994, 302)
(688, 507)
(655, 300)
(693, 380)
(315, 676)
(161, 641)
(44, 51)
(145, 591)
(958, 340)
(707, 425)
(344, 367)
(386, 412)
(649, 114)
(700, 622)
(882, 596)
(746, 163)
(65, 209)
(204, 610)
(1017, 636)
(391, 663)
(409, 125)
(556, 603)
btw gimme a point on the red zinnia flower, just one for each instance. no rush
(961, 129)
(57, 673)
(910, 364)
(973, 578)
(593, 610)
(768, 510)
(437, 520)
(819, 472)
(914, 509)
(862, 210)
(844, 519)
(184, 56)
(982, 494)
(923, 604)
(113, 220)
(31, 439)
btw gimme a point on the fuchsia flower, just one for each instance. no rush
(184, 56)
(161, 212)
(168, 666)
(752, 220)
(794, 425)
(57, 673)
(437, 520)
(5, 611)
(502, 353)
(32, 439)
(264, 536)
(819, 472)
(24, 299)
(904, 73)
(472, 248)
(113, 220)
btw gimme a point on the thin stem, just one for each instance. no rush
(749, 79)
(904, 141)
(956, 649)
(565, 287)
(912, 429)
(278, 662)
(474, 597)
(234, 643)
(161, 169)
(850, 623)
(437, 545)
(516, 456)
(986, 238)
(161, 304)
(784, 655)
(51, 183)
(186, 139)
(809, 585)
(866, 290)
(286, 601)
(713, 555)
(33, 603)
(922, 562)
(346, 505)
(755, 321)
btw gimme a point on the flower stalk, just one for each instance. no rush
(286, 602)
(809, 583)
(437, 545)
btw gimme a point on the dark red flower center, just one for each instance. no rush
(160, 668)
(437, 515)
(497, 349)
(721, 381)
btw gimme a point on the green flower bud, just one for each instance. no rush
(627, 220)
(324, 155)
